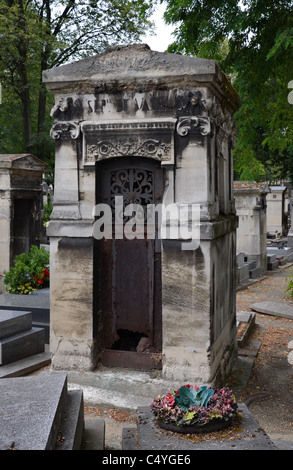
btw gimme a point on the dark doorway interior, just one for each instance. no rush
(24, 230)
(130, 269)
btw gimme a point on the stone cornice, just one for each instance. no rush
(137, 68)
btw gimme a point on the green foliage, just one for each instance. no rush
(290, 285)
(189, 416)
(29, 272)
(258, 55)
(188, 397)
(40, 34)
(48, 207)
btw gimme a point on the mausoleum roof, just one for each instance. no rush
(137, 67)
(251, 186)
(24, 161)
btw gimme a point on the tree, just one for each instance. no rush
(258, 55)
(36, 35)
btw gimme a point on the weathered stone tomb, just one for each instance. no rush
(155, 129)
(21, 178)
(276, 211)
(250, 204)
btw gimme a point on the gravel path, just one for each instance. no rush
(269, 391)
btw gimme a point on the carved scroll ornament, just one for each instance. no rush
(69, 130)
(187, 123)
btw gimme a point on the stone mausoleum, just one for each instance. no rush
(152, 128)
(251, 208)
(21, 178)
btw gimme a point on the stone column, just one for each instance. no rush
(72, 335)
(5, 230)
(66, 195)
(199, 276)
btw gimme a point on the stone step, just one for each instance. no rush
(252, 265)
(243, 273)
(38, 304)
(94, 433)
(40, 319)
(38, 413)
(71, 432)
(271, 266)
(14, 322)
(22, 345)
(25, 366)
(254, 273)
(45, 327)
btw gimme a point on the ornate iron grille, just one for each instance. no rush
(135, 185)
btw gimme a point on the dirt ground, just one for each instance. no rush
(269, 391)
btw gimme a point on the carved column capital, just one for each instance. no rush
(186, 123)
(69, 130)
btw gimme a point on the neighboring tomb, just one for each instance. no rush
(155, 129)
(276, 211)
(250, 204)
(21, 179)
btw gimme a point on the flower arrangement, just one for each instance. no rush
(191, 406)
(29, 273)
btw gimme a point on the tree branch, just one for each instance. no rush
(63, 16)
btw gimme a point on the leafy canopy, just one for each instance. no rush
(36, 35)
(252, 41)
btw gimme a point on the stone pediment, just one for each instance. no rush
(22, 162)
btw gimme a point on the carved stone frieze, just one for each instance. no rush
(129, 146)
(141, 138)
(69, 130)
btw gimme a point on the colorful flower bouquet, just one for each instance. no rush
(191, 409)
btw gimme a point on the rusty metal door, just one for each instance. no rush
(130, 277)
